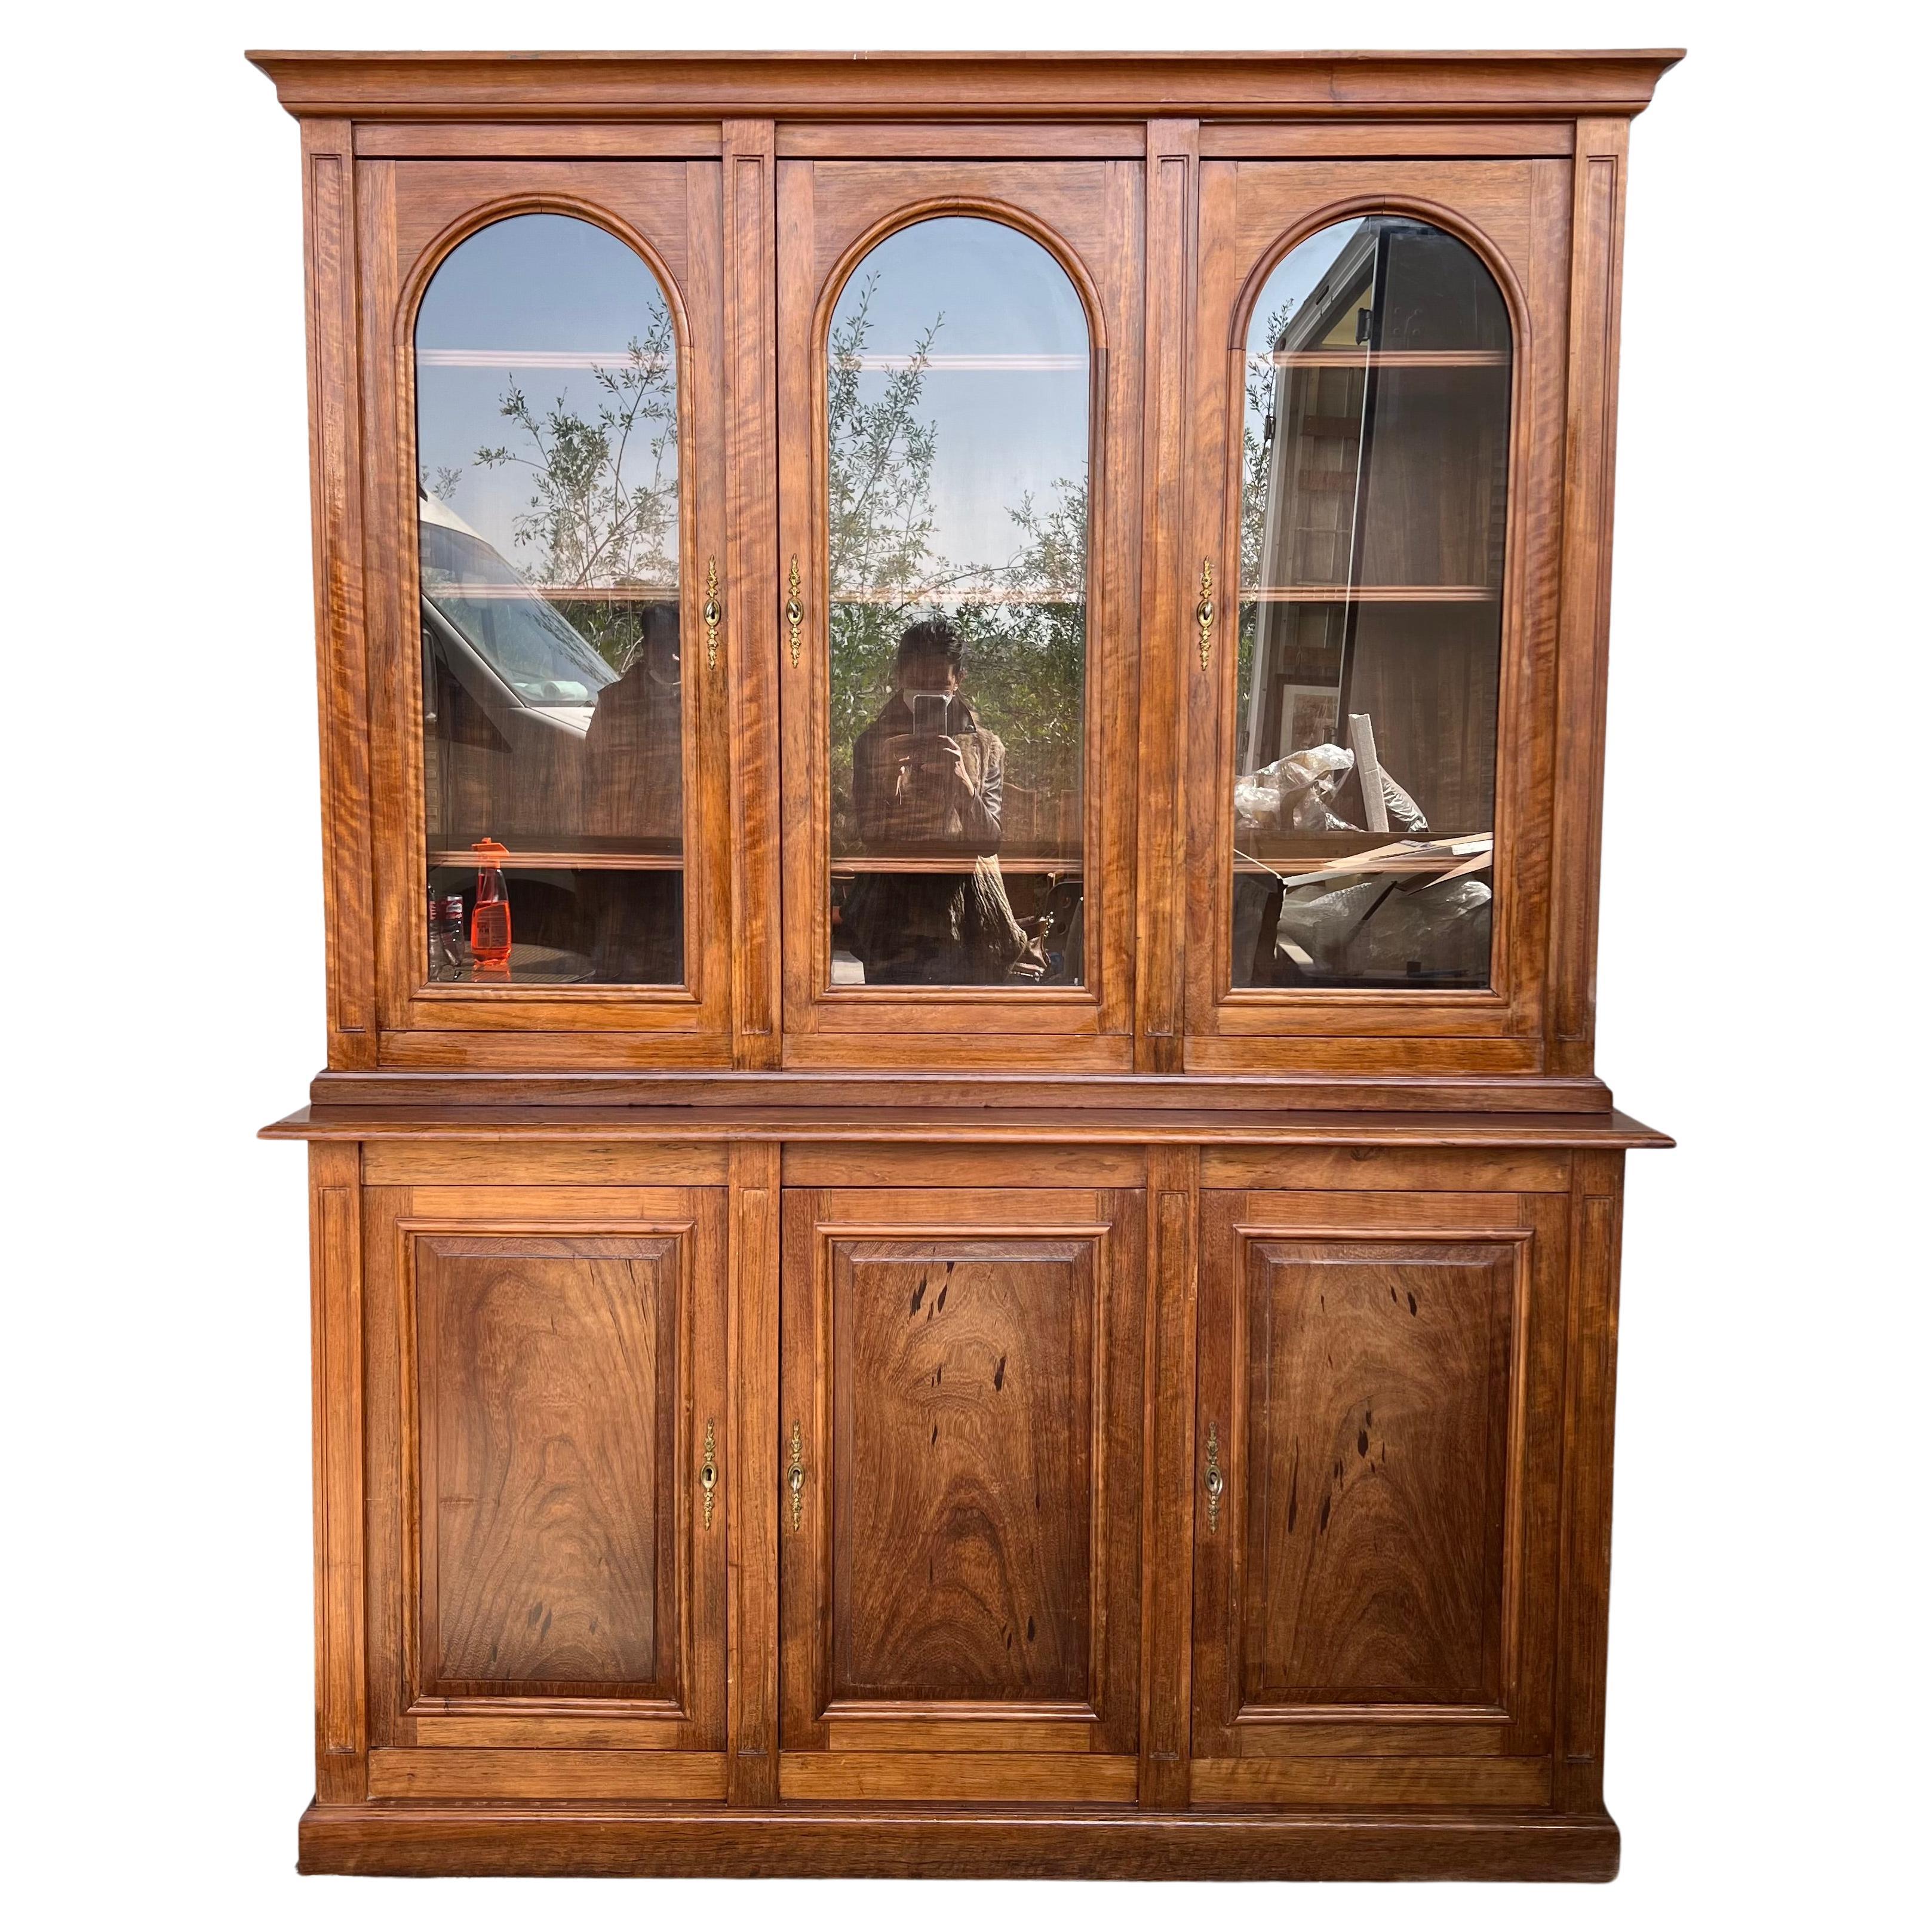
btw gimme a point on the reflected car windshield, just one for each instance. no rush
(525, 640)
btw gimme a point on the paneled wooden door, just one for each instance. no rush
(549, 1563)
(1378, 1442)
(960, 372)
(1381, 521)
(959, 1594)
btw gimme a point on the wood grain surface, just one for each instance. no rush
(1377, 1404)
(547, 1379)
(1007, 1264)
(962, 1413)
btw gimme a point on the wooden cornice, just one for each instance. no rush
(941, 86)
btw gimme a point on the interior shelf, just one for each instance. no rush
(1371, 593)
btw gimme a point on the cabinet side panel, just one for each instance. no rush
(1603, 149)
(1590, 1412)
(335, 1262)
(329, 204)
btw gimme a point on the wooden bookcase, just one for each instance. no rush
(1017, 1273)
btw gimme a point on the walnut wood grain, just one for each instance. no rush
(990, 1126)
(947, 86)
(547, 1383)
(962, 1417)
(1043, 1841)
(1385, 1566)
(1371, 1468)
(1009, 1263)
(966, 1371)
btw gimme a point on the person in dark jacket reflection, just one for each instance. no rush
(927, 783)
(631, 922)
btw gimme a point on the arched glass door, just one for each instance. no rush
(957, 380)
(1375, 467)
(549, 527)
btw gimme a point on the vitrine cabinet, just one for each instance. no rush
(962, 1220)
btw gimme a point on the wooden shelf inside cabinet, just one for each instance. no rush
(961, 862)
(548, 859)
(1371, 593)
(1390, 358)
(1309, 860)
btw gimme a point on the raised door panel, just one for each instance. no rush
(547, 1388)
(545, 672)
(959, 390)
(1375, 1419)
(1378, 406)
(961, 1401)
(546, 1403)
(1380, 1397)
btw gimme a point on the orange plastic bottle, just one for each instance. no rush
(490, 923)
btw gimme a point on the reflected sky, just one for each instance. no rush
(534, 299)
(1004, 427)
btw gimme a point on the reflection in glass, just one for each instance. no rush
(547, 449)
(957, 408)
(1373, 510)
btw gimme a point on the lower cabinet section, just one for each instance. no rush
(546, 1397)
(1380, 1386)
(959, 1572)
(870, 1483)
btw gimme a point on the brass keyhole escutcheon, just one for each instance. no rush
(714, 614)
(794, 611)
(707, 1476)
(795, 1482)
(1203, 611)
(1214, 1482)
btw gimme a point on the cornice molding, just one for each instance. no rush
(941, 86)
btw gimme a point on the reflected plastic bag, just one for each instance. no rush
(1405, 815)
(1321, 922)
(1292, 794)
(1437, 930)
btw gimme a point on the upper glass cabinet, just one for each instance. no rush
(956, 432)
(1374, 476)
(548, 447)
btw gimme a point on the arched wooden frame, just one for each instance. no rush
(408, 304)
(912, 215)
(1511, 783)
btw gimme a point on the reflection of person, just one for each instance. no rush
(927, 782)
(634, 750)
(631, 922)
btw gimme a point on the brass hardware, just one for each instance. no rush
(1203, 611)
(1214, 1482)
(795, 1482)
(707, 1477)
(794, 612)
(714, 615)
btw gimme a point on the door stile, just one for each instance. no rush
(752, 1475)
(1168, 591)
(1170, 1474)
(752, 627)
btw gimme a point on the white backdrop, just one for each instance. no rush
(1761, 982)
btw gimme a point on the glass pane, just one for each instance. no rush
(957, 388)
(547, 449)
(1376, 447)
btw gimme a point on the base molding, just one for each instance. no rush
(555, 1840)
